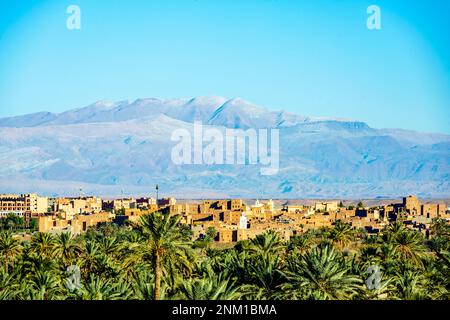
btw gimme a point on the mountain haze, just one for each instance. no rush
(112, 147)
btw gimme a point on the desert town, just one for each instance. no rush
(233, 219)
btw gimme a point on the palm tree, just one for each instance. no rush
(98, 289)
(8, 286)
(144, 285)
(407, 244)
(65, 248)
(410, 247)
(437, 284)
(369, 254)
(410, 284)
(123, 289)
(380, 293)
(89, 256)
(440, 227)
(110, 245)
(394, 230)
(341, 234)
(165, 243)
(45, 286)
(43, 244)
(216, 258)
(440, 231)
(9, 248)
(210, 287)
(320, 274)
(265, 277)
(266, 243)
(301, 243)
(95, 261)
(238, 265)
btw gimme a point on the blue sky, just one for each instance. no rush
(311, 57)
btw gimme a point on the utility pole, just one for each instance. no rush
(157, 189)
(121, 199)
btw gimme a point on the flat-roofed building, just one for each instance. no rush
(19, 204)
(433, 210)
(294, 208)
(412, 205)
(329, 206)
(78, 224)
(69, 207)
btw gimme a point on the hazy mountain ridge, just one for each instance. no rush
(109, 146)
(210, 110)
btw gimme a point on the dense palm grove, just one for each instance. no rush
(155, 259)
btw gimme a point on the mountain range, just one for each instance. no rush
(124, 148)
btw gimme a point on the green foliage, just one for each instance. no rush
(156, 259)
(33, 224)
(211, 233)
(342, 234)
(321, 274)
(11, 222)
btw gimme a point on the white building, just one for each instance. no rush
(243, 221)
